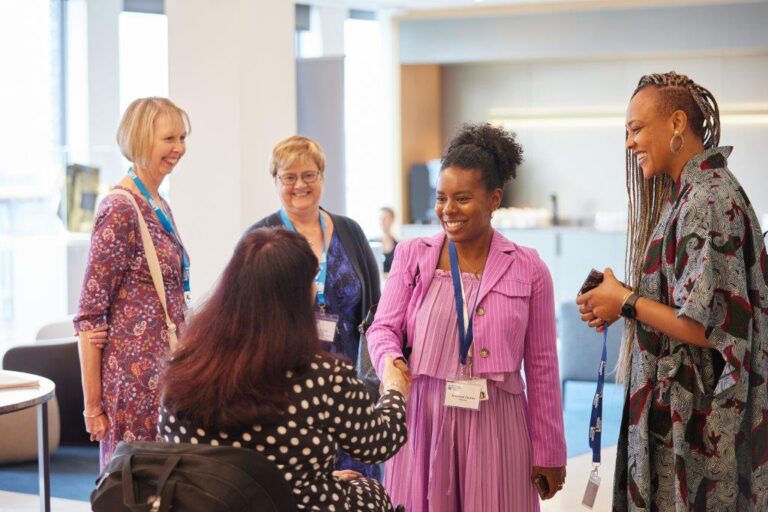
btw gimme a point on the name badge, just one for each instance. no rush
(590, 493)
(463, 393)
(326, 327)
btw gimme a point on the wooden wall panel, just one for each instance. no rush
(421, 120)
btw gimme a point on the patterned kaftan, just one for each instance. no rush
(695, 430)
(118, 292)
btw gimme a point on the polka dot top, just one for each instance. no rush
(330, 408)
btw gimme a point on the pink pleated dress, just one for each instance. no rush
(459, 460)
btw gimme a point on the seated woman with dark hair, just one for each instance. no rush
(250, 373)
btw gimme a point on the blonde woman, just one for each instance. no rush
(120, 321)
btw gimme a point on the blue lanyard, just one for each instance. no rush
(596, 419)
(321, 275)
(167, 225)
(465, 334)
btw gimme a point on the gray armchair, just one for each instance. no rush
(581, 347)
(57, 360)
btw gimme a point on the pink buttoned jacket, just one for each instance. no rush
(514, 324)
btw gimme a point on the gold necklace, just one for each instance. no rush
(475, 271)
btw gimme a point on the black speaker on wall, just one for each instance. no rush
(421, 194)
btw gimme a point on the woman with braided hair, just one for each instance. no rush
(473, 307)
(694, 434)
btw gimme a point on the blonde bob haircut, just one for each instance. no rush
(136, 132)
(294, 149)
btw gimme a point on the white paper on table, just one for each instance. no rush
(11, 380)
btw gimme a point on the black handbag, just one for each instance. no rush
(158, 477)
(368, 321)
(366, 371)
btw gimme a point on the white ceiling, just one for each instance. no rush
(416, 6)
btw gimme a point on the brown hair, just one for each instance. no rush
(136, 132)
(294, 149)
(647, 196)
(232, 364)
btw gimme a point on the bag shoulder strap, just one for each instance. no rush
(154, 266)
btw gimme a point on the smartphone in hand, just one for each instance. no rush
(593, 280)
(542, 486)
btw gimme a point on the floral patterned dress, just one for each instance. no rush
(118, 291)
(694, 436)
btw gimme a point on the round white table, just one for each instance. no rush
(16, 399)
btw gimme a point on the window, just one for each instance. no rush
(368, 122)
(31, 159)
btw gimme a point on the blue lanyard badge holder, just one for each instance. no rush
(165, 221)
(596, 429)
(327, 324)
(465, 391)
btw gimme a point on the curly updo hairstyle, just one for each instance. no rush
(489, 149)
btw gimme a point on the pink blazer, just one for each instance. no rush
(515, 326)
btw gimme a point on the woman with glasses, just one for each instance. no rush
(347, 282)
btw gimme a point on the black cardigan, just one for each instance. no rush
(363, 261)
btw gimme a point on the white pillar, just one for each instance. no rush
(232, 68)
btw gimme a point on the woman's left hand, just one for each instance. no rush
(346, 474)
(98, 336)
(602, 305)
(555, 478)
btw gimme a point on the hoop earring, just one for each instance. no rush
(672, 142)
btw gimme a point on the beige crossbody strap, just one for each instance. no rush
(154, 267)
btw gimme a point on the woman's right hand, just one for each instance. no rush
(97, 427)
(396, 375)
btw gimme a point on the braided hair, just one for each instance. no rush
(647, 196)
(487, 148)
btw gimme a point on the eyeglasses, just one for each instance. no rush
(306, 177)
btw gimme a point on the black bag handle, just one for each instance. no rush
(369, 317)
(129, 499)
(166, 499)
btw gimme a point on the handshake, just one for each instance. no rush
(396, 376)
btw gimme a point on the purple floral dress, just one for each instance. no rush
(118, 291)
(343, 295)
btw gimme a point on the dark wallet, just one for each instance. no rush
(593, 280)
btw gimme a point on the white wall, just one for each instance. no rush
(560, 63)
(233, 69)
(583, 162)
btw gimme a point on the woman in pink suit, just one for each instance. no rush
(475, 442)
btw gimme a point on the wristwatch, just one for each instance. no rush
(628, 308)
